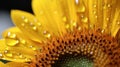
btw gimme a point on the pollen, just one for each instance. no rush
(98, 48)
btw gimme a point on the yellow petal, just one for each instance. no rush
(2, 65)
(14, 64)
(17, 47)
(28, 25)
(55, 14)
(82, 12)
(17, 54)
(115, 23)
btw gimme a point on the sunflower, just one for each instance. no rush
(64, 33)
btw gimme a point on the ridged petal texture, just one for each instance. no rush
(17, 47)
(56, 18)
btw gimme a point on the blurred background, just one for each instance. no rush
(6, 6)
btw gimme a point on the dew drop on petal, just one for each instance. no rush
(27, 59)
(8, 53)
(94, 12)
(79, 28)
(11, 35)
(1, 55)
(67, 26)
(11, 42)
(21, 56)
(22, 24)
(94, 5)
(47, 34)
(103, 31)
(64, 19)
(22, 41)
(107, 19)
(81, 9)
(39, 24)
(33, 48)
(84, 19)
(118, 22)
(34, 28)
(96, 16)
(77, 2)
(73, 23)
(109, 5)
(25, 20)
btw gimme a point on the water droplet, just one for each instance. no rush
(47, 34)
(109, 5)
(77, 2)
(64, 19)
(11, 35)
(27, 59)
(118, 22)
(84, 19)
(11, 42)
(1, 55)
(107, 19)
(22, 41)
(33, 48)
(79, 28)
(21, 56)
(105, 6)
(94, 5)
(23, 17)
(81, 8)
(67, 26)
(94, 12)
(96, 16)
(22, 24)
(92, 26)
(103, 31)
(34, 28)
(8, 53)
(39, 24)
(31, 24)
(35, 20)
(74, 23)
(26, 20)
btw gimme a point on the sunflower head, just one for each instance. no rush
(64, 33)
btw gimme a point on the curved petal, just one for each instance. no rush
(2, 65)
(100, 14)
(115, 23)
(17, 47)
(28, 25)
(55, 15)
(14, 64)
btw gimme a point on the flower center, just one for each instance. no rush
(68, 60)
(79, 49)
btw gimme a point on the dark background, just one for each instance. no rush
(15, 4)
(6, 6)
